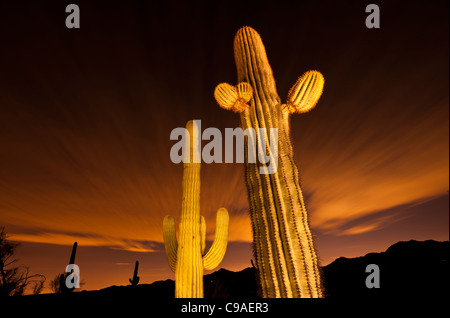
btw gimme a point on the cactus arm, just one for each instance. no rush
(226, 95)
(305, 93)
(245, 91)
(203, 234)
(233, 98)
(170, 241)
(134, 281)
(217, 251)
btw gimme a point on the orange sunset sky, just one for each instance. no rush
(86, 115)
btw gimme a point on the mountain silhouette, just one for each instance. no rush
(407, 269)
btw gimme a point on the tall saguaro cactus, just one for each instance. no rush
(187, 256)
(283, 244)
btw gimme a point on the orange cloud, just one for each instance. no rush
(378, 168)
(84, 240)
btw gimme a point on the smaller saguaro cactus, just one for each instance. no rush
(186, 256)
(62, 279)
(135, 280)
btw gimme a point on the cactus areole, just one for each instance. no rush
(283, 244)
(187, 256)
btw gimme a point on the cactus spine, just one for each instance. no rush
(283, 244)
(187, 255)
(135, 280)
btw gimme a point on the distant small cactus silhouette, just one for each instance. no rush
(135, 280)
(62, 279)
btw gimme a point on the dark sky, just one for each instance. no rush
(86, 114)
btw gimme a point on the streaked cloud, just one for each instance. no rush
(93, 157)
(86, 240)
(373, 151)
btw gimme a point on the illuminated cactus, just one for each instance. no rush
(187, 255)
(283, 244)
(135, 280)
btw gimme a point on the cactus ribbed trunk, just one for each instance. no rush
(186, 256)
(286, 257)
(189, 268)
(283, 243)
